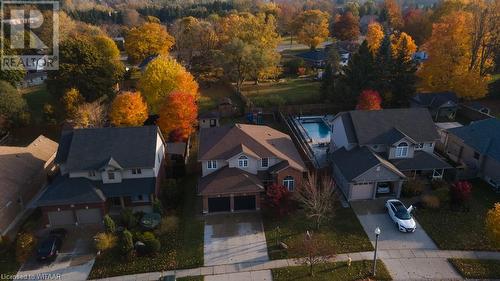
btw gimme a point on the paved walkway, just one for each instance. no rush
(386, 255)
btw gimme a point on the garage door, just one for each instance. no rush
(362, 191)
(61, 218)
(244, 202)
(220, 204)
(88, 216)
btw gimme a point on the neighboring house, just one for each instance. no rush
(477, 147)
(23, 173)
(34, 79)
(477, 106)
(104, 170)
(208, 119)
(315, 58)
(443, 105)
(145, 62)
(373, 152)
(239, 161)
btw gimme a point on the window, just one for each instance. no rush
(476, 155)
(402, 150)
(140, 198)
(264, 162)
(289, 183)
(136, 171)
(243, 161)
(111, 175)
(211, 164)
(419, 146)
(91, 173)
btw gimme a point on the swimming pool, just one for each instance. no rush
(316, 129)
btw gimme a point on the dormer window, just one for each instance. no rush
(264, 162)
(402, 150)
(211, 164)
(136, 171)
(111, 175)
(243, 161)
(91, 173)
(419, 146)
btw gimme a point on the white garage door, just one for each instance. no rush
(362, 191)
(61, 218)
(88, 216)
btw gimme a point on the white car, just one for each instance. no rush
(400, 215)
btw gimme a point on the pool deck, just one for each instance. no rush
(319, 146)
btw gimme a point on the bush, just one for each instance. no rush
(157, 207)
(126, 243)
(105, 241)
(439, 184)
(430, 201)
(128, 218)
(169, 224)
(412, 187)
(442, 194)
(278, 200)
(25, 244)
(292, 66)
(151, 244)
(171, 194)
(460, 193)
(109, 224)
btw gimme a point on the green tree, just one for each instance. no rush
(404, 76)
(109, 224)
(11, 76)
(126, 243)
(236, 59)
(384, 70)
(12, 104)
(83, 67)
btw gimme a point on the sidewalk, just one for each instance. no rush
(266, 265)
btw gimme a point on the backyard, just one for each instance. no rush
(467, 227)
(477, 269)
(344, 232)
(291, 91)
(339, 271)
(211, 95)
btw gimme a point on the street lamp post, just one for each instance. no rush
(377, 234)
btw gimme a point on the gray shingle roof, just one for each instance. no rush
(358, 160)
(91, 149)
(229, 180)
(421, 161)
(435, 100)
(483, 136)
(384, 126)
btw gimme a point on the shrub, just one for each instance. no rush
(104, 241)
(109, 224)
(430, 201)
(438, 184)
(126, 243)
(25, 244)
(292, 66)
(128, 218)
(169, 224)
(278, 199)
(151, 244)
(413, 187)
(157, 207)
(460, 193)
(171, 194)
(493, 224)
(442, 194)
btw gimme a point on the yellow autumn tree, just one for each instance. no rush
(394, 15)
(312, 28)
(449, 50)
(162, 76)
(493, 223)
(107, 47)
(374, 36)
(128, 109)
(71, 100)
(146, 40)
(402, 43)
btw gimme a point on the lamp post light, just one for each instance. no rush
(377, 234)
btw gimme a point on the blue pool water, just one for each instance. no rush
(317, 131)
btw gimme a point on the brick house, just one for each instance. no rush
(103, 170)
(239, 161)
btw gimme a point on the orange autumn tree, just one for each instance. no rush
(374, 36)
(178, 114)
(128, 109)
(369, 100)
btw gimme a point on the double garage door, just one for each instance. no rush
(223, 204)
(68, 217)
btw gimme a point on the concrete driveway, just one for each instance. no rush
(74, 262)
(372, 214)
(234, 238)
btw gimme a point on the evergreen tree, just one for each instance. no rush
(405, 79)
(384, 70)
(331, 73)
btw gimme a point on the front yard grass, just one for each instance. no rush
(457, 230)
(184, 249)
(477, 269)
(344, 231)
(292, 91)
(339, 271)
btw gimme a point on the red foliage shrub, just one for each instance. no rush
(460, 192)
(369, 100)
(278, 199)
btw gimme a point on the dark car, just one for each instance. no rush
(49, 248)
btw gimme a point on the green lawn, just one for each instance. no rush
(210, 97)
(291, 92)
(184, 249)
(344, 231)
(36, 97)
(477, 269)
(359, 270)
(457, 230)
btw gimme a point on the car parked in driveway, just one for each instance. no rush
(401, 215)
(49, 248)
